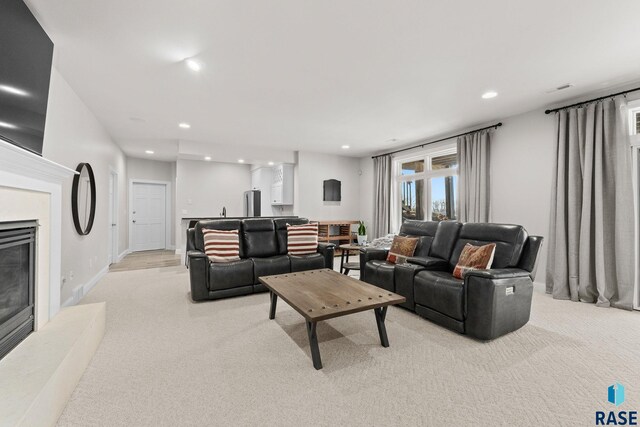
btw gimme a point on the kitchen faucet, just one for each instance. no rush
(224, 212)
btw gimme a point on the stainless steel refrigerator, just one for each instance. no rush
(252, 203)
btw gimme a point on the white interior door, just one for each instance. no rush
(148, 216)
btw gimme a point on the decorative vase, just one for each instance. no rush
(362, 239)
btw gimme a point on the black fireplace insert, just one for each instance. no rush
(17, 282)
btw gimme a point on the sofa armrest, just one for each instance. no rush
(198, 263)
(529, 257)
(430, 263)
(497, 273)
(327, 250)
(191, 244)
(370, 254)
(497, 301)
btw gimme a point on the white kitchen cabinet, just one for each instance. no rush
(282, 185)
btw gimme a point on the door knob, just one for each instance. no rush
(134, 220)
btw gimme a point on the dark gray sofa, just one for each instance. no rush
(263, 252)
(487, 303)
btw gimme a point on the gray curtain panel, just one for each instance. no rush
(382, 196)
(473, 175)
(591, 231)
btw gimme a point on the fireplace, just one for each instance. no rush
(17, 282)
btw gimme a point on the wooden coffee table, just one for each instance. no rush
(324, 294)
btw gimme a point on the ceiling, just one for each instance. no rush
(316, 75)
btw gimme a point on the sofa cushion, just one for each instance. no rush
(215, 224)
(222, 245)
(230, 274)
(302, 239)
(474, 258)
(440, 291)
(259, 237)
(425, 231)
(269, 266)
(306, 262)
(281, 231)
(509, 240)
(380, 273)
(445, 239)
(401, 249)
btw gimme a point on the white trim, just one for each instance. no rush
(114, 236)
(22, 162)
(27, 171)
(167, 215)
(75, 298)
(123, 254)
(426, 154)
(94, 280)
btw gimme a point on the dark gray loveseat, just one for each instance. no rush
(263, 252)
(487, 303)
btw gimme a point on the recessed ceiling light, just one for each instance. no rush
(345, 147)
(489, 95)
(270, 163)
(194, 65)
(7, 125)
(184, 125)
(240, 160)
(207, 158)
(13, 90)
(149, 152)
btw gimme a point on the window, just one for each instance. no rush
(634, 120)
(426, 186)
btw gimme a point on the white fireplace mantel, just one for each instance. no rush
(21, 169)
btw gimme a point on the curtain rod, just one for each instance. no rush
(624, 92)
(497, 125)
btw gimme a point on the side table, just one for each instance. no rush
(346, 267)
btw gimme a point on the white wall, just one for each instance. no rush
(151, 170)
(74, 135)
(522, 155)
(203, 188)
(311, 170)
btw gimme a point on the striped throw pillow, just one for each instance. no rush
(221, 245)
(302, 239)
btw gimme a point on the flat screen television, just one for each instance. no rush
(26, 53)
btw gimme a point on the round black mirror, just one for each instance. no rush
(83, 199)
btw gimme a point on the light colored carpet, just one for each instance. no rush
(166, 361)
(147, 259)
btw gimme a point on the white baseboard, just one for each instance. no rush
(179, 252)
(94, 280)
(123, 254)
(81, 290)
